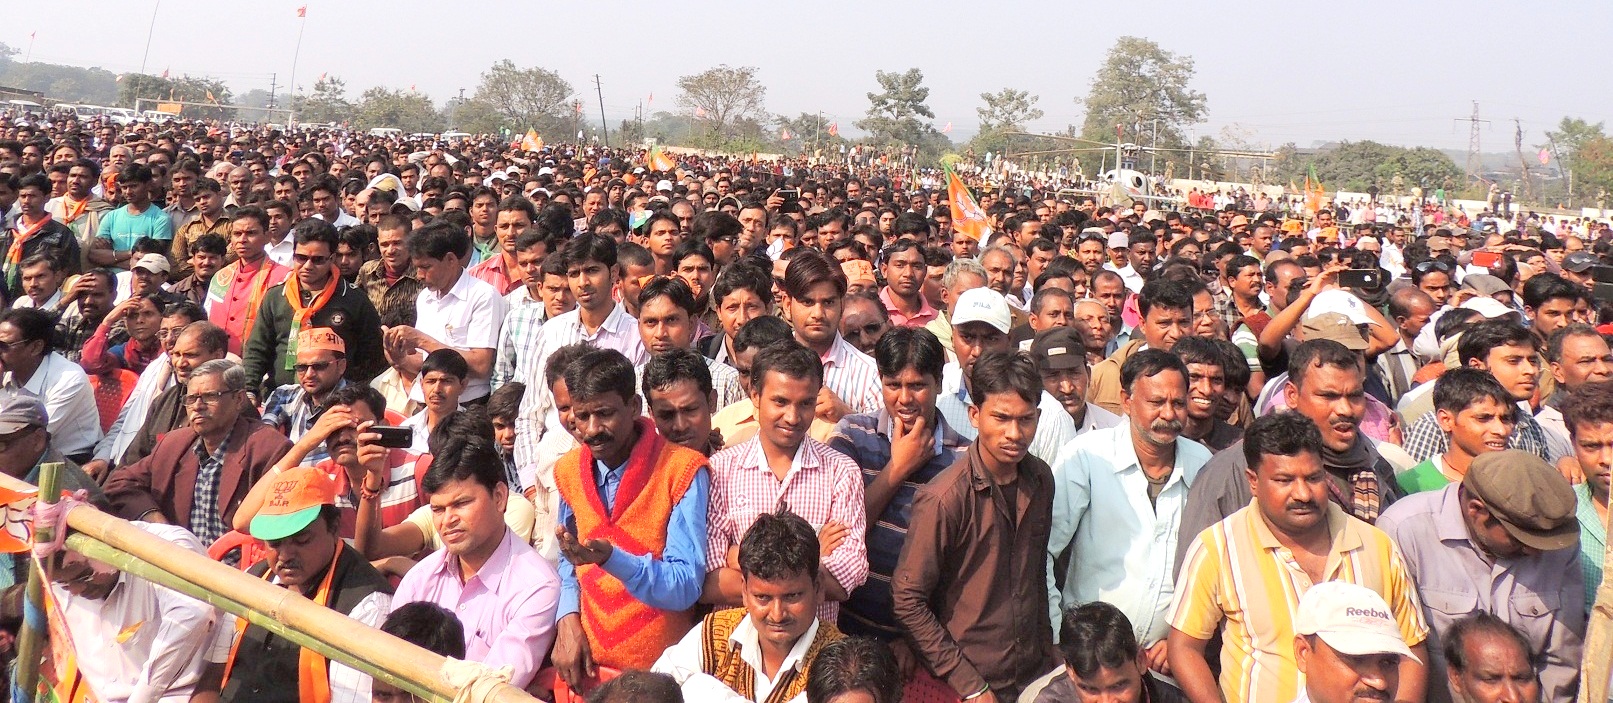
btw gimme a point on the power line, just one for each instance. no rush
(1475, 166)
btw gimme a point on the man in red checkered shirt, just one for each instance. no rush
(784, 469)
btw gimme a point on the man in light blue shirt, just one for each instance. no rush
(1118, 497)
(121, 228)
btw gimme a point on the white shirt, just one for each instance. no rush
(537, 417)
(1123, 548)
(1132, 279)
(143, 643)
(75, 422)
(468, 316)
(852, 376)
(280, 252)
(1054, 428)
(681, 661)
(342, 219)
(520, 298)
(422, 432)
(157, 377)
(1098, 419)
(347, 685)
(24, 301)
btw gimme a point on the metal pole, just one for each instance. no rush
(149, 30)
(291, 121)
(604, 129)
(1153, 158)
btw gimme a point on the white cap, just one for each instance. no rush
(982, 305)
(1489, 307)
(1339, 301)
(155, 263)
(663, 186)
(1351, 619)
(1118, 240)
(545, 171)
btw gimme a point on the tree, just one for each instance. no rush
(893, 114)
(209, 96)
(806, 130)
(1146, 91)
(520, 99)
(1593, 169)
(405, 110)
(1006, 110)
(327, 103)
(1356, 165)
(722, 97)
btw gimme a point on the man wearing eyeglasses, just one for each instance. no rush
(321, 362)
(313, 297)
(198, 474)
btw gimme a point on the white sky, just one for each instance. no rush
(1397, 72)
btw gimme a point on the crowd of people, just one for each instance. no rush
(779, 431)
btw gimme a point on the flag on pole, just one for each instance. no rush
(834, 129)
(967, 217)
(1313, 190)
(578, 106)
(650, 100)
(947, 129)
(784, 134)
(1545, 156)
(210, 98)
(302, 11)
(164, 72)
(659, 161)
(532, 142)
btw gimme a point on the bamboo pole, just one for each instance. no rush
(31, 639)
(277, 609)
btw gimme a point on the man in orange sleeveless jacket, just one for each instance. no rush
(632, 527)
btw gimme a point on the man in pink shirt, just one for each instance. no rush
(903, 294)
(237, 290)
(504, 593)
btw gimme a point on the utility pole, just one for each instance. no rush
(272, 86)
(1475, 165)
(1517, 141)
(1153, 156)
(604, 128)
(453, 117)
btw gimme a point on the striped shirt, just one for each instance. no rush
(1240, 579)
(724, 383)
(852, 376)
(522, 330)
(822, 486)
(398, 498)
(866, 438)
(1424, 439)
(619, 331)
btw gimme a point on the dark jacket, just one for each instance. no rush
(54, 240)
(166, 480)
(348, 311)
(971, 583)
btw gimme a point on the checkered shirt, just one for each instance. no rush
(523, 328)
(206, 522)
(822, 486)
(1424, 439)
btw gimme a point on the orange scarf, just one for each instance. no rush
(20, 236)
(300, 313)
(313, 669)
(71, 211)
(219, 288)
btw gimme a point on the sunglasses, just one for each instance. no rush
(1432, 265)
(316, 367)
(300, 259)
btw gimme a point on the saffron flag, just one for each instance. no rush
(659, 161)
(784, 134)
(967, 217)
(1545, 157)
(532, 142)
(302, 11)
(1313, 190)
(834, 129)
(947, 129)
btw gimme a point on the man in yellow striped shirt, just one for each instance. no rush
(1244, 575)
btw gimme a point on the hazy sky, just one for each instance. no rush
(1273, 72)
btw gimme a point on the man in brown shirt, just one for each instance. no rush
(966, 584)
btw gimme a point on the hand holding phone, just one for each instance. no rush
(394, 437)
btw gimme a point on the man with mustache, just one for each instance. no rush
(1061, 358)
(678, 390)
(764, 651)
(299, 521)
(199, 474)
(1324, 384)
(631, 526)
(1118, 497)
(900, 447)
(970, 587)
(1348, 646)
(503, 592)
(1244, 575)
(1505, 540)
(1166, 307)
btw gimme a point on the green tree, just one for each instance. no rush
(406, 110)
(208, 98)
(327, 103)
(1356, 166)
(1146, 91)
(1593, 169)
(806, 130)
(520, 99)
(722, 98)
(893, 113)
(1006, 110)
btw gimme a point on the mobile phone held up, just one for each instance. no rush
(792, 200)
(394, 437)
(1362, 279)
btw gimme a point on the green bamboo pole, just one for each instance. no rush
(128, 563)
(31, 639)
(281, 610)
